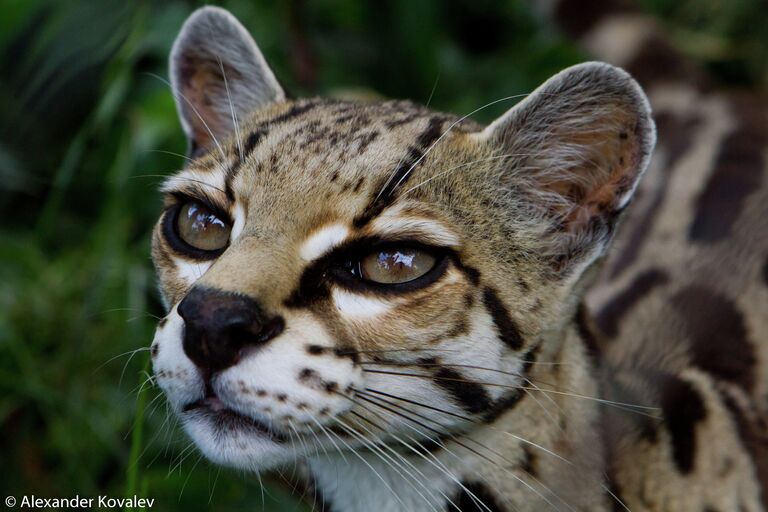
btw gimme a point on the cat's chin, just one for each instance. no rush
(231, 439)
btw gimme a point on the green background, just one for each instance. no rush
(88, 130)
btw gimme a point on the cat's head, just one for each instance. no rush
(337, 272)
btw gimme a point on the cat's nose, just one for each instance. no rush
(220, 325)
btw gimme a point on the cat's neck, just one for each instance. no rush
(544, 452)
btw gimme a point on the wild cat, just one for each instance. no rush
(392, 299)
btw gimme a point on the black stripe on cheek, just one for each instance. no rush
(506, 327)
(513, 397)
(470, 395)
(468, 497)
(683, 408)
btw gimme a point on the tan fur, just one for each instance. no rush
(495, 355)
(684, 294)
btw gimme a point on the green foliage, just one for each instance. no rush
(88, 131)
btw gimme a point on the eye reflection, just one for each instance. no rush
(394, 266)
(201, 228)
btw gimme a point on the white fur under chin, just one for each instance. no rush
(239, 449)
(363, 481)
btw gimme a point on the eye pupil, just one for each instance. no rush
(201, 228)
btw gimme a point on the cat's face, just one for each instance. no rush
(337, 273)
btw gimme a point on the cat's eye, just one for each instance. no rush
(201, 228)
(396, 265)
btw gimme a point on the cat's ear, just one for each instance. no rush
(577, 147)
(218, 76)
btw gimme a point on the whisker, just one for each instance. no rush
(378, 475)
(177, 94)
(391, 176)
(184, 178)
(466, 418)
(296, 461)
(391, 463)
(466, 164)
(181, 457)
(131, 352)
(149, 379)
(215, 481)
(432, 146)
(441, 365)
(323, 447)
(384, 350)
(514, 374)
(495, 384)
(544, 409)
(441, 467)
(186, 481)
(485, 457)
(403, 459)
(261, 487)
(325, 431)
(172, 153)
(125, 366)
(432, 92)
(132, 310)
(231, 109)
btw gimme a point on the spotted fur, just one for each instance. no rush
(681, 301)
(479, 387)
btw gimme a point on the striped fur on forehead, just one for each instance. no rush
(354, 146)
(346, 170)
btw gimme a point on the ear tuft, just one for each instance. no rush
(218, 76)
(578, 146)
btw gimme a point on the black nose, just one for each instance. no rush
(220, 325)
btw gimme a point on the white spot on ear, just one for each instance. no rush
(353, 305)
(191, 272)
(322, 241)
(238, 217)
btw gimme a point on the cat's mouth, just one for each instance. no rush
(212, 409)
